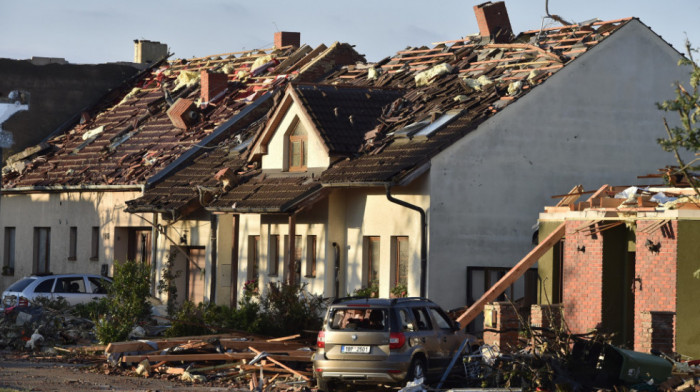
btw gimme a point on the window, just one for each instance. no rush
(274, 256)
(422, 319)
(297, 147)
(73, 243)
(310, 256)
(45, 286)
(399, 262)
(297, 255)
(74, 285)
(8, 260)
(371, 260)
(99, 285)
(253, 257)
(95, 245)
(441, 319)
(42, 245)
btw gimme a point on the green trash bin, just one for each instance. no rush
(633, 367)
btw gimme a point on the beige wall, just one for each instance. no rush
(276, 157)
(60, 212)
(344, 217)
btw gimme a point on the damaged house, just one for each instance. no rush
(63, 204)
(382, 173)
(627, 265)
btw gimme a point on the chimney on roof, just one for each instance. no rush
(287, 38)
(183, 114)
(213, 84)
(146, 51)
(493, 21)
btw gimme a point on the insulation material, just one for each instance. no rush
(515, 88)
(478, 84)
(372, 74)
(426, 77)
(186, 79)
(93, 132)
(262, 60)
(242, 74)
(228, 68)
(131, 94)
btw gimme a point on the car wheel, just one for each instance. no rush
(322, 385)
(417, 370)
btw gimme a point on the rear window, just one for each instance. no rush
(359, 319)
(21, 285)
(99, 285)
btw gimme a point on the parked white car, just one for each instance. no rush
(74, 288)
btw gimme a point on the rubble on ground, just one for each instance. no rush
(42, 328)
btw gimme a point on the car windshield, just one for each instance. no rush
(359, 319)
(21, 285)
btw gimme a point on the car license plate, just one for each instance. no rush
(354, 349)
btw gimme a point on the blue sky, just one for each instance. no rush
(96, 31)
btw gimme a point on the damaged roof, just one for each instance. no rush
(168, 111)
(445, 92)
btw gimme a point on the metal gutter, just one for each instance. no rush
(424, 238)
(217, 133)
(74, 188)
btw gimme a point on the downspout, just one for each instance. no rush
(214, 226)
(423, 235)
(154, 253)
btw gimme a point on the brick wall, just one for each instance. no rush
(546, 316)
(582, 277)
(657, 332)
(655, 285)
(502, 328)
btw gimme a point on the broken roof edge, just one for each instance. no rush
(199, 147)
(74, 188)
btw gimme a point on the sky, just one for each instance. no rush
(98, 31)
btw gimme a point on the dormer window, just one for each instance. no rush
(297, 147)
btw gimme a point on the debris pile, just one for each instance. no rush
(233, 360)
(42, 328)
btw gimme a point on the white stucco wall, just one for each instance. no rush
(60, 212)
(594, 122)
(276, 157)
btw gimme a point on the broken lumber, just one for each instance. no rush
(300, 356)
(523, 265)
(283, 366)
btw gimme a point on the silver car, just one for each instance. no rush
(74, 288)
(389, 341)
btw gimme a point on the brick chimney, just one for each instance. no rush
(493, 21)
(212, 84)
(146, 51)
(286, 38)
(182, 114)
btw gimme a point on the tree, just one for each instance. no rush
(687, 105)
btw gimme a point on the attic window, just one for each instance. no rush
(437, 124)
(297, 147)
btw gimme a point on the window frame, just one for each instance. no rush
(303, 141)
(311, 256)
(397, 244)
(369, 242)
(73, 243)
(9, 251)
(95, 244)
(273, 260)
(41, 263)
(253, 273)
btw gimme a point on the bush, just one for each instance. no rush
(283, 310)
(127, 302)
(371, 291)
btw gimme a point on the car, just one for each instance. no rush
(384, 341)
(74, 288)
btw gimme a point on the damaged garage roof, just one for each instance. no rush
(446, 92)
(170, 110)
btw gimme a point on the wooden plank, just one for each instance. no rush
(283, 366)
(262, 345)
(509, 278)
(284, 338)
(300, 356)
(571, 197)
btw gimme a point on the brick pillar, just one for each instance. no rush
(657, 332)
(655, 286)
(502, 321)
(287, 38)
(582, 276)
(546, 316)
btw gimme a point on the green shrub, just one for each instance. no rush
(290, 309)
(127, 302)
(371, 291)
